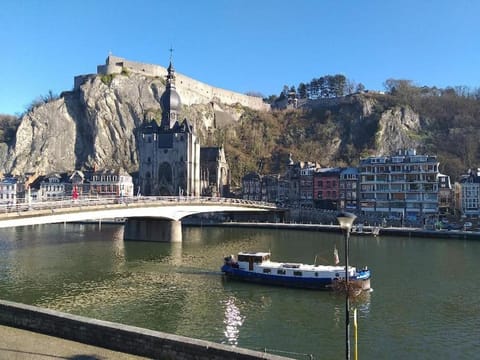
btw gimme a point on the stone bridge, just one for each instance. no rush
(149, 218)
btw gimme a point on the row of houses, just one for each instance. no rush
(33, 187)
(405, 185)
(214, 181)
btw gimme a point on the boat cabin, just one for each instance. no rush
(253, 258)
(257, 257)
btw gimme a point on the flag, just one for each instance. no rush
(335, 256)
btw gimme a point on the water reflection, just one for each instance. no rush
(178, 288)
(360, 302)
(233, 321)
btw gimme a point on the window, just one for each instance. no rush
(281, 272)
(267, 271)
(297, 273)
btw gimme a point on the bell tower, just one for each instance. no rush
(170, 101)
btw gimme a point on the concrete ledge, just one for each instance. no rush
(118, 337)
(384, 231)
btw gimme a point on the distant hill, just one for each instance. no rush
(339, 131)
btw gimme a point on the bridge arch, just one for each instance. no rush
(171, 209)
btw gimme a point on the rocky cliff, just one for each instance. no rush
(95, 126)
(366, 124)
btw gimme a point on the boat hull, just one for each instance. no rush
(317, 283)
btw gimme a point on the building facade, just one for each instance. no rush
(252, 187)
(8, 191)
(215, 172)
(326, 189)
(169, 153)
(468, 191)
(445, 195)
(299, 177)
(52, 187)
(403, 185)
(111, 183)
(349, 187)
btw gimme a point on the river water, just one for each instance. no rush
(425, 303)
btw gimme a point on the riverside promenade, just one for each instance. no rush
(18, 344)
(30, 332)
(384, 231)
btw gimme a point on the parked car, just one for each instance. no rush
(452, 226)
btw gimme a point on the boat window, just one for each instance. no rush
(242, 258)
(267, 270)
(316, 274)
(297, 273)
(253, 258)
(281, 272)
(291, 266)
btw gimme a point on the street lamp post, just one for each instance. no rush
(346, 219)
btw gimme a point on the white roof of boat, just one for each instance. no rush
(274, 264)
(258, 253)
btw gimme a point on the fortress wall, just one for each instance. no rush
(79, 80)
(198, 92)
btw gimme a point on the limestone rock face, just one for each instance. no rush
(44, 140)
(397, 129)
(95, 125)
(368, 121)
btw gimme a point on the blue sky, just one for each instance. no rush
(240, 45)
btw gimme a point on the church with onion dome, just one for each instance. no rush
(170, 161)
(169, 153)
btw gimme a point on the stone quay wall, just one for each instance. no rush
(118, 337)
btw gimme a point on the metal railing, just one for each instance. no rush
(91, 202)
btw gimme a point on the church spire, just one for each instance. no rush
(170, 100)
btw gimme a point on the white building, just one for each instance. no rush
(51, 188)
(468, 193)
(111, 183)
(405, 185)
(8, 191)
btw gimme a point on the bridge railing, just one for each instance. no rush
(67, 202)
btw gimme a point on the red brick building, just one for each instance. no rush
(326, 188)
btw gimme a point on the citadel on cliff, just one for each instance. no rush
(197, 91)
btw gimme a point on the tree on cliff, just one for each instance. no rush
(8, 128)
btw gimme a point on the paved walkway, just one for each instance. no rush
(17, 344)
